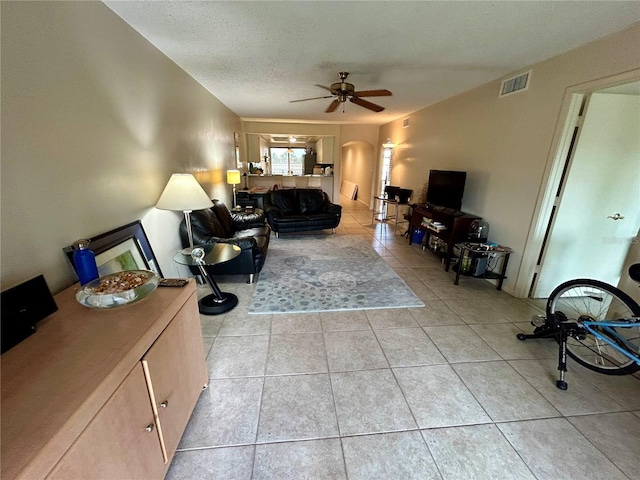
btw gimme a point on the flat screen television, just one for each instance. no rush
(446, 188)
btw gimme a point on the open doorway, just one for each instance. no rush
(594, 221)
(358, 164)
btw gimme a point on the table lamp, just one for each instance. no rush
(184, 193)
(233, 178)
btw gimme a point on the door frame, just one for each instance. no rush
(569, 112)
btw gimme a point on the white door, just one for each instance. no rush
(603, 183)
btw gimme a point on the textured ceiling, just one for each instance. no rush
(256, 57)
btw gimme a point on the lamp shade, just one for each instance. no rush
(183, 193)
(233, 177)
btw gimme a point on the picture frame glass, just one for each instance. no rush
(123, 256)
(124, 248)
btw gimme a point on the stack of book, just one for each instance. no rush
(431, 225)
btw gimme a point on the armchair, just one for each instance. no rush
(247, 231)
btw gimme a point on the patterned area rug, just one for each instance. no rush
(327, 273)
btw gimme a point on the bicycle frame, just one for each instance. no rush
(579, 322)
(608, 327)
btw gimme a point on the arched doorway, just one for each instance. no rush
(358, 167)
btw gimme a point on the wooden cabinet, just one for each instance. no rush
(172, 378)
(457, 227)
(120, 442)
(103, 393)
(325, 150)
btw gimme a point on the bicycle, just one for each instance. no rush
(596, 324)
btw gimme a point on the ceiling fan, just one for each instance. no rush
(344, 91)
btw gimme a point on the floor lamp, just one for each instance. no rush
(233, 178)
(184, 193)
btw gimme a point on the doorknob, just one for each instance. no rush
(616, 216)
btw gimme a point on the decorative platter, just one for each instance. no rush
(117, 289)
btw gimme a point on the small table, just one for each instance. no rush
(247, 212)
(382, 210)
(481, 250)
(217, 302)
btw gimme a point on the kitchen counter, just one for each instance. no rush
(275, 175)
(284, 181)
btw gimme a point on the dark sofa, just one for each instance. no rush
(248, 231)
(300, 209)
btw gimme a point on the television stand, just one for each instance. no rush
(456, 225)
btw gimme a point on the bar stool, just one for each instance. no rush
(314, 182)
(288, 181)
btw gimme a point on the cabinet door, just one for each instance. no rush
(176, 372)
(327, 150)
(120, 442)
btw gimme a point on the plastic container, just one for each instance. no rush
(418, 236)
(465, 263)
(85, 262)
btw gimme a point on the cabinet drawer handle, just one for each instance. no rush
(164, 404)
(149, 428)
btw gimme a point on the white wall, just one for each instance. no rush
(94, 121)
(504, 144)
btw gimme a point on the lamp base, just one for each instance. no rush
(211, 305)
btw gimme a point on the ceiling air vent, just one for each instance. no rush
(515, 84)
(405, 122)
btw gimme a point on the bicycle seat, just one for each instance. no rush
(634, 272)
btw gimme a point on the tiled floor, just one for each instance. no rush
(444, 391)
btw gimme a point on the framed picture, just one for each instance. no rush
(124, 248)
(124, 256)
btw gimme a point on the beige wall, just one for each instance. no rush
(94, 121)
(504, 144)
(358, 165)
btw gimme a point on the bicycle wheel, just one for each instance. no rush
(592, 300)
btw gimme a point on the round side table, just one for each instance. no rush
(218, 301)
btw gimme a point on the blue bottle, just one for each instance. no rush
(85, 262)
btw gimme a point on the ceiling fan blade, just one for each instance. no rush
(373, 93)
(326, 88)
(365, 104)
(333, 106)
(313, 98)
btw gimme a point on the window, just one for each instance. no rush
(385, 177)
(283, 163)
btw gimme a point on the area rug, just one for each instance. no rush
(313, 273)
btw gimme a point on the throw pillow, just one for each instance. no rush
(285, 200)
(224, 217)
(205, 224)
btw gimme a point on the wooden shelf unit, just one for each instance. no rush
(457, 226)
(103, 393)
